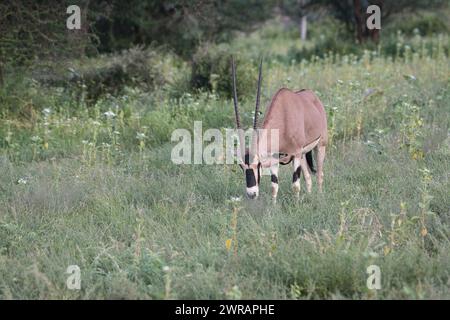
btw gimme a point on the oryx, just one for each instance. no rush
(300, 120)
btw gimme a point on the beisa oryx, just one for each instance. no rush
(301, 127)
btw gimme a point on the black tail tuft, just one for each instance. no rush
(309, 160)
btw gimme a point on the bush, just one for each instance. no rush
(392, 45)
(425, 25)
(110, 74)
(23, 96)
(211, 70)
(324, 47)
(87, 81)
(331, 35)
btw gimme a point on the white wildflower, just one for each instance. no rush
(35, 139)
(140, 136)
(410, 77)
(109, 114)
(22, 181)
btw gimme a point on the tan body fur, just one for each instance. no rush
(302, 126)
(300, 119)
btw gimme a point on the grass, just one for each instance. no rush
(99, 191)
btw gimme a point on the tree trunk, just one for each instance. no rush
(374, 34)
(362, 32)
(303, 28)
(78, 39)
(1, 75)
(358, 20)
(303, 20)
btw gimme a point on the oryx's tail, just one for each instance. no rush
(309, 160)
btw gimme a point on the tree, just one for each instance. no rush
(179, 24)
(354, 12)
(295, 9)
(35, 30)
(361, 19)
(1, 74)
(303, 20)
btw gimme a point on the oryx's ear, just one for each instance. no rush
(268, 161)
(279, 155)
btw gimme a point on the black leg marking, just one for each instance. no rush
(309, 160)
(259, 173)
(274, 178)
(297, 174)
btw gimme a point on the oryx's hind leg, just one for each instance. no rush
(306, 173)
(296, 176)
(274, 179)
(320, 158)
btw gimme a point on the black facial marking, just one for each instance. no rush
(249, 174)
(274, 178)
(250, 178)
(297, 174)
(247, 159)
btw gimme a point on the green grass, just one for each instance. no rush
(88, 192)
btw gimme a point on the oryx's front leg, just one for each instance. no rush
(305, 169)
(274, 179)
(296, 176)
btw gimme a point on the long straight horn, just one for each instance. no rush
(258, 94)
(236, 110)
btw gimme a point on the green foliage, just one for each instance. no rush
(34, 31)
(396, 44)
(211, 70)
(179, 24)
(344, 10)
(84, 82)
(425, 25)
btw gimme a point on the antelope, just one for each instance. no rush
(300, 120)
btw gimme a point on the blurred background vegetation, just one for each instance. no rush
(185, 46)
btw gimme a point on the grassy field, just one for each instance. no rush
(95, 187)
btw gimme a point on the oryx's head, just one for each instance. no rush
(248, 158)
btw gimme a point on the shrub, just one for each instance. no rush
(324, 47)
(110, 74)
(424, 25)
(211, 70)
(84, 82)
